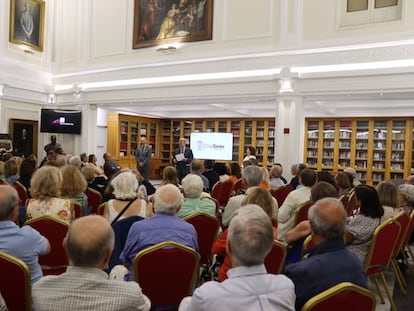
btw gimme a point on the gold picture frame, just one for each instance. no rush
(27, 20)
(171, 21)
(24, 133)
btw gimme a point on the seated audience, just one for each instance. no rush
(75, 161)
(295, 171)
(307, 179)
(24, 243)
(45, 190)
(97, 183)
(193, 188)
(84, 159)
(170, 176)
(249, 286)
(235, 172)
(410, 180)
(92, 161)
(361, 227)
(11, 170)
(110, 166)
(74, 186)
(50, 156)
(125, 187)
(275, 175)
(210, 173)
(327, 177)
(84, 286)
(163, 226)
(27, 169)
(388, 198)
(265, 179)
(328, 262)
(406, 192)
(351, 171)
(261, 198)
(196, 166)
(343, 184)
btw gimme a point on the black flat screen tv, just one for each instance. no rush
(61, 121)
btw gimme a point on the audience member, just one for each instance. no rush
(343, 184)
(327, 177)
(76, 161)
(84, 159)
(352, 171)
(257, 196)
(11, 171)
(210, 173)
(125, 187)
(193, 203)
(328, 262)
(50, 156)
(24, 243)
(110, 167)
(307, 178)
(248, 287)
(410, 180)
(361, 227)
(74, 186)
(388, 198)
(295, 171)
(27, 169)
(196, 166)
(275, 175)
(163, 226)
(235, 172)
(406, 192)
(253, 176)
(45, 190)
(170, 176)
(92, 161)
(265, 179)
(97, 183)
(84, 286)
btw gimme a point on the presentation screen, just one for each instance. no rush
(213, 146)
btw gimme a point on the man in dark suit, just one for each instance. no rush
(143, 156)
(182, 158)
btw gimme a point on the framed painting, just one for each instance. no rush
(27, 19)
(23, 134)
(161, 22)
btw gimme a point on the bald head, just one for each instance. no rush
(327, 218)
(168, 199)
(89, 242)
(9, 202)
(276, 171)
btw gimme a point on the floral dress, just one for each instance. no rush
(60, 208)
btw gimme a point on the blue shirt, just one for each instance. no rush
(154, 230)
(24, 243)
(327, 264)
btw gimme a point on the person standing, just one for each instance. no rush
(182, 158)
(143, 156)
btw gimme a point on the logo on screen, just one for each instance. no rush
(61, 121)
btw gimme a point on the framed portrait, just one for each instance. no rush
(27, 20)
(23, 134)
(160, 22)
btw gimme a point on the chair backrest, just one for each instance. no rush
(344, 201)
(94, 199)
(221, 192)
(77, 210)
(239, 184)
(410, 229)
(3, 182)
(15, 284)
(101, 209)
(404, 220)
(308, 243)
(301, 212)
(281, 193)
(352, 204)
(55, 230)
(342, 297)
(166, 272)
(275, 260)
(22, 191)
(207, 228)
(382, 247)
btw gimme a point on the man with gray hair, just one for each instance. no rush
(328, 263)
(84, 286)
(252, 174)
(24, 243)
(275, 175)
(163, 226)
(249, 286)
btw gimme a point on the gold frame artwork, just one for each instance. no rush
(171, 21)
(27, 20)
(16, 127)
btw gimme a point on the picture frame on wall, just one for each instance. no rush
(23, 134)
(165, 22)
(27, 20)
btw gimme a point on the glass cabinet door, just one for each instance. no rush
(235, 129)
(398, 134)
(345, 142)
(176, 131)
(222, 126)
(134, 137)
(248, 133)
(271, 143)
(165, 141)
(328, 144)
(379, 151)
(260, 130)
(312, 144)
(152, 136)
(198, 126)
(123, 141)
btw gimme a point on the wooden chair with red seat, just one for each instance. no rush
(342, 297)
(207, 228)
(308, 243)
(167, 272)
(15, 284)
(275, 260)
(406, 243)
(94, 199)
(3, 182)
(239, 184)
(301, 212)
(77, 210)
(281, 193)
(380, 253)
(55, 230)
(22, 191)
(101, 209)
(344, 201)
(221, 191)
(352, 204)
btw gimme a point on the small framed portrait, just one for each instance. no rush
(23, 134)
(160, 22)
(27, 20)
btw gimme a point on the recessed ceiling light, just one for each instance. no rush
(381, 94)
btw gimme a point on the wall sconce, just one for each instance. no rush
(286, 86)
(51, 99)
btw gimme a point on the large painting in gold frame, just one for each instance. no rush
(27, 19)
(161, 22)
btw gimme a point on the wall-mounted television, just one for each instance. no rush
(213, 145)
(61, 121)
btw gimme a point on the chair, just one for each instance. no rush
(207, 228)
(76, 208)
(3, 182)
(281, 193)
(301, 212)
(22, 191)
(275, 260)
(239, 184)
(221, 191)
(352, 204)
(94, 199)
(55, 230)
(166, 272)
(342, 297)
(406, 243)
(15, 284)
(308, 243)
(101, 209)
(344, 201)
(380, 253)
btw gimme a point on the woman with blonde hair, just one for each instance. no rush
(170, 176)
(74, 186)
(388, 197)
(45, 190)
